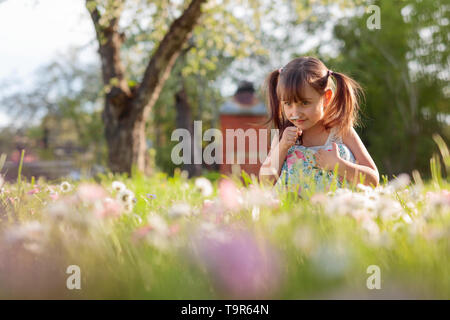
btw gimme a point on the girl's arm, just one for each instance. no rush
(271, 167)
(364, 163)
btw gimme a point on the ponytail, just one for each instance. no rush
(275, 112)
(344, 108)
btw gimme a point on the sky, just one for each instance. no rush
(33, 32)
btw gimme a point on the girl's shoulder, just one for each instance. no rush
(334, 136)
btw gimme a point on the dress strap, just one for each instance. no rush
(333, 137)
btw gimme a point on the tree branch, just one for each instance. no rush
(110, 42)
(161, 63)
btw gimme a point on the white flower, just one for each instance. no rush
(204, 185)
(411, 206)
(58, 210)
(366, 189)
(255, 213)
(179, 210)
(437, 199)
(212, 207)
(418, 226)
(158, 236)
(31, 235)
(371, 227)
(346, 203)
(29, 229)
(319, 198)
(128, 206)
(65, 186)
(138, 218)
(396, 226)
(185, 186)
(400, 182)
(384, 190)
(184, 174)
(407, 218)
(158, 224)
(256, 196)
(125, 196)
(118, 186)
(389, 209)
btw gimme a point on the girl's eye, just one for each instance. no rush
(302, 103)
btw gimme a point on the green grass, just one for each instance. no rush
(318, 246)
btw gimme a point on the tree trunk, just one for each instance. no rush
(126, 110)
(184, 120)
(126, 142)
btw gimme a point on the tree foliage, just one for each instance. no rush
(403, 68)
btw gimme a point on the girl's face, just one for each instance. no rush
(305, 114)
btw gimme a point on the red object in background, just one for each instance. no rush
(16, 154)
(244, 111)
(244, 122)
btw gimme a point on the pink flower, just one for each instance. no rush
(33, 191)
(229, 194)
(54, 196)
(439, 198)
(109, 208)
(173, 229)
(212, 209)
(91, 192)
(141, 232)
(241, 267)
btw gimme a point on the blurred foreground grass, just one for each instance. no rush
(165, 237)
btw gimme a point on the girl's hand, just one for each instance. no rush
(290, 135)
(327, 159)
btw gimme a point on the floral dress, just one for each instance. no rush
(299, 170)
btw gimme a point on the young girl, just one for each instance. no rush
(316, 127)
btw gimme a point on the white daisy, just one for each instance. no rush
(158, 224)
(255, 213)
(65, 186)
(179, 210)
(400, 182)
(128, 206)
(118, 186)
(125, 196)
(205, 186)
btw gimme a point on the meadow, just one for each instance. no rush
(217, 237)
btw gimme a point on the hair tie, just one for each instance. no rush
(330, 72)
(280, 70)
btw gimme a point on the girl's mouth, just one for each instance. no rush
(296, 120)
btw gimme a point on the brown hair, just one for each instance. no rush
(288, 86)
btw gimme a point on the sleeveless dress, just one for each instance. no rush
(299, 171)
